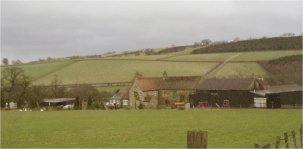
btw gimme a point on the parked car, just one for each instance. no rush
(67, 107)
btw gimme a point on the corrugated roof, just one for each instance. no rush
(122, 94)
(226, 84)
(279, 89)
(58, 100)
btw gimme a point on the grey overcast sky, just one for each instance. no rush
(38, 29)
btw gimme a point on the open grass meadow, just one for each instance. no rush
(122, 69)
(242, 56)
(230, 128)
(97, 71)
(241, 70)
(36, 71)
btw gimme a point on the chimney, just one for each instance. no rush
(164, 75)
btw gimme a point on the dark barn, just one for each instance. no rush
(282, 96)
(57, 102)
(234, 92)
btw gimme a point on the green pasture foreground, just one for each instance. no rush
(144, 128)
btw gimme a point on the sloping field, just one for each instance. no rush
(142, 56)
(215, 57)
(265, 55)
(241, 70)
(244, 56)
(36, 71)
(228, 128)
(96, 71)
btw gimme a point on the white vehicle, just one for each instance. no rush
(66, 107)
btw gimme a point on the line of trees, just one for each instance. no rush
(276, 43)
(5, 61)
(16, 87)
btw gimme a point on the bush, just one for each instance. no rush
(141, 106)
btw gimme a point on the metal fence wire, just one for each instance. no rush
(293, 140)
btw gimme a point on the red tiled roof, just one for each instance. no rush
(168, 83)
(196, 82)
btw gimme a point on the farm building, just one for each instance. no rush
(168, 92)
(161, 92)
(282, 96)
(229, 92)
(120, 98)
(57, 102)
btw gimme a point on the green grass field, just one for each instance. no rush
(116, 69)
(244, 56)
(96, 71)
(265, 55)
(241, 70)
(229, 128)
(36, 71)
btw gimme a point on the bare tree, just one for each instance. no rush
(14, 85)
(205, 42)
(36, 95)
(288, 35)
(16, 62)
(57, 90)
(5, 61)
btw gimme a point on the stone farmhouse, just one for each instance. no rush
(170, 91)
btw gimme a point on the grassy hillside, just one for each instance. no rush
(95, 71)
(237, 59)
(276, 43)
(284, 70)
(115, 69)
(163, 56)
(228, 128)
(241, 70)
(36, 71)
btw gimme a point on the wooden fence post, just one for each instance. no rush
(204, 139)
(197, 139)
(293, 134)
(278, 138)
(190, 139)
(286, 140)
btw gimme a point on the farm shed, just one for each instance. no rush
(282, 96)
(120, 98)
(161, 92)
(57, 101)
(237, 91)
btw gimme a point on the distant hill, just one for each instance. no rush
(172, 50)
(284, 70)
(268, 60)
(276, 43)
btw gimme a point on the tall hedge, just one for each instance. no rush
(276, 43)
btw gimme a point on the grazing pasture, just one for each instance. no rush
(265, 55)
(96, 71)
(36, 71)
(121, 69)
(241, 70)
(230, 128)
(243, 56)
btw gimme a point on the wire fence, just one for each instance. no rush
(292, 139)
